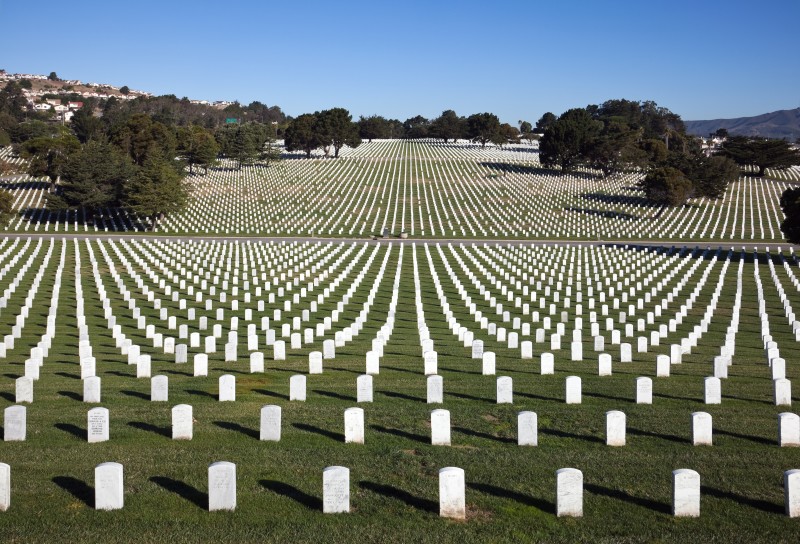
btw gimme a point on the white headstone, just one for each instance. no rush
(270, 423)
(297, 387)
(5, 487)
(227, 388)
(569, 492)
(91, 389)
(315, 362)
(615, 428)
(791, 490)
(373, 363)
(505, 390)
(182, 422)
(97, 425)
(713, 390)
(477, 349)
(279, 350)
(573, 387)
(354, 425)
(108, 487)
(256, 362)
(644, 390)
(527, 429)
(159, 389)
(488, 363)
(200, 364)
(527, 349)
(604, 365)
(435, 389)
(788, 429)
(24, 389)
(702, 434)
(452, 499)
(329, 349)
(88, 367)
(547, 362)
(662, 366)
(685, 493)
(783, 392)
(221, 486)
(364, 388)
(440, 428)
(336, 490)
(431, 362)
(14, 424)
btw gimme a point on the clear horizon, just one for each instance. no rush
(702, 61)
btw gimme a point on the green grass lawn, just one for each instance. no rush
(510, 490)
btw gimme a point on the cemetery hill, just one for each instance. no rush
(224, 324)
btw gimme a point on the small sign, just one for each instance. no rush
(231, 121)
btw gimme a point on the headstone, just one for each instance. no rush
(354, 426)
(227, 388)
(270, 423)
(685, 493)
(435, 389)
(547, 362)
(159, 389)
(778, 368)
(625, 353)
(721, 367)
(431, 362)
(527, 429)
(329, 349)
(221, 486)
(505, 390)
(783, 392)
(604, 365)
(644, 390)
(336, 490)
(452, 499)
(477, 349)
(701, 429)
(364, 388)
(527, 349)
(713, 390)
(181, 354)
(97, 425)
(573, 387)
(24, 389)
(5, 487)
(373, 363)
(488, 363)
(279, 350)
(88, 367)
(788, 429)
(440, 428)
(256, 362)
(315, 362)
(108, 487)
(791, 490)
(297, 388)
(182, 422)
(569, 492)
(91, 389)
(200, 364)
(615, 428)
(14, 424)
(662, 366)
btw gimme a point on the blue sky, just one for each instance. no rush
(518, 59)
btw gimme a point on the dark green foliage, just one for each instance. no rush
(300, 135)
(525, 127)
(6, 206)
(566, 141)
(545, 121)
(141, 137)
(416, 127)
(155, 190)
(448, 126)
(667, 186)
(372, 127)
(85, 125)
(124, 89)
(197, 146)
(93, 178)
(761, 152)
(13, 101)
(48, 155)
(505, 134)
(336, 128)
(243, 143)
(790, 204)
(53, 77)
(482, 127)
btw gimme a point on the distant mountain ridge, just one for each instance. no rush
(778, 124)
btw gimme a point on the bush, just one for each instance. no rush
(667, 186)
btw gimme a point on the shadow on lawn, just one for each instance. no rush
(68, 375)
(670, 437)
(564, 434)
(191, 494)
(764, 506)
(756, 439)
(394, 493)
(77, 488)
(10, 397)
(136, 394)
(486, 436)
(141, 425)
(310, 502)
(396, 395)
(401, 434)
(271, 394)
(339, 437)
(252, 433)
(621, 495)
(334, 395)
(71, 395)
(543, 505)
(71, 429)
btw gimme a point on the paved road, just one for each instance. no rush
(748, 245)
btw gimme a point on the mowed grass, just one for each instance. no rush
(394, 476)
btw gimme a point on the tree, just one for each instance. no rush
(545, 121)
(6, 206)
(721, 133)
(373, 126)
(156, 190)
(790, 204)
(85, 125)
(197, 145)
(613, 147)
(667, 186)
(48, 155)
(125, 89)
(13, 101)
(92, 179)
(416, 127)
(761, 152)
(564, 142)
(338, 129)
(525, 127)
(482, 127)
(141, 136)
(53, 77)
(448, 126)
(300, 135)
(505, 134)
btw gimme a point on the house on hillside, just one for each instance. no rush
(42, 107)
(75, 105)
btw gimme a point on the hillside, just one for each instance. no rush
(778, 124)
